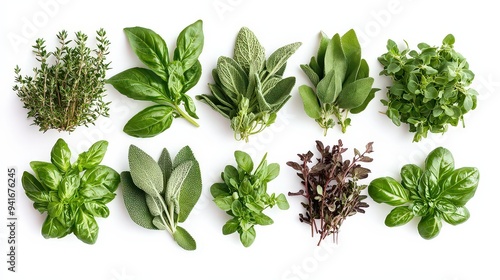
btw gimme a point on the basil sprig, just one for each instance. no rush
(160, 195)
(72, 194)
(249, 89)
(165, 81)
(437, 192)
(340, 79)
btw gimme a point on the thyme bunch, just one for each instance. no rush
(331, 187)
(69, 92)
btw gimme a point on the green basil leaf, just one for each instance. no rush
(352, 52)
(247, 237)
(445, 206)
(248, 50)
(165, 163)
(145, 172)
(175, 183)
(429, 186)
(231, 226)
(232, 76)
(86, 228)
(335, 58)
(449, 40)
(189, 45)
(460, 185)
(184, 239)
(387, 190)
(96, 209)
(68, 186)
(277, 60)
(329, 87)
(440, 162)
(135, 202)
(230, 172)
(47, 174)
(219, 189)
(55, 209)
(237, 208)
(101, 175)
(354, 94)
(140, 84)
(150, 48)
(60, 155)
(93, 156)
(224, 203)
(189, 105)
(150, 121)
(460, 215)
(97, 192)
(429, 226)
(52, 228)
(175, 80)
(399, 216)
(244, 161)
(311, 106)
(410, 176)
(192, 76)
(262, 219)
(31, 184)
(282, 202)
(191, 189)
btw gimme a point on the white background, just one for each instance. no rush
(367, 249)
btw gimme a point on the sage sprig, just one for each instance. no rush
(341, 81)
(69, 92)
(165, 81)
(160, 195)
(72, 194)
(249, 89)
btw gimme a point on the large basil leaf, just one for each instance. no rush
(93, 156)
(277, 60)
(150, 48)
(429, 226)
(135, 202)
(150, 121)
(460, 185)
(47, 174)
(52, 228)
(86, 228)
(429, 186)
(192, 76)
(60, 155)
(387, 190)
(189, 45)
(244, 161)
(31, 184)
(140, 84)
(145, 172)
(101, 175)
(399, 216)
(410, 177)
(97, 209)
(184, 239)
(68, 186)
(191, 188)
(440, 162)
(248, 50)
(310, 102)
(460, 215)
(354, 94)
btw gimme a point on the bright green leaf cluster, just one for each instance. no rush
(72, 194)
(250, 89)
(437, 192)
(159, 195)
(340, 79)
(166, 80)
(430, 87)
(243, 195)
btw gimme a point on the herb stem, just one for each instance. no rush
(186, 116)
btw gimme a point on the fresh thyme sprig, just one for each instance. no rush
(69, 92)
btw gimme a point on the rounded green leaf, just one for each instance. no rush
(429, 226)
(230, 226)
(47, 174)
(248, 50)
(145, 172)
(219, 189)
(399, 216)
(282, 202)
(140, 84)
(410, 176)
(31, 184)
(93, 156)
(101, 175)
(460, 215)
(97, 209)
(461, 185)
(247, 237)
(68, 186)
(189, 44)
(52, 228)
(329, 87)
(60, 155)
(244, 161)
(184, 239)
(86, 228)
(440, 162)
(150, 121)
(310, 101)
(387, 190)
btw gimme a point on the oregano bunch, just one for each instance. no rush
(67, 89)
(249, 89)
(331, 187)
(430, 87)
(161, 194)
(341, 82)
(243, 195)
(165, 81)
(72, 194)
